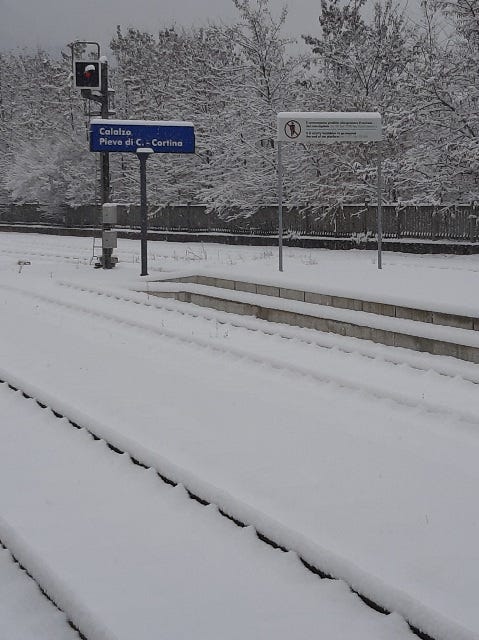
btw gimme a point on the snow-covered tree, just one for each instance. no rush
(176, 75)
(45, 137)
(362, 64)
(260, 82)
(231, 81)
(445, 118)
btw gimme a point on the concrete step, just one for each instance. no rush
(341, 302)
(279, 305)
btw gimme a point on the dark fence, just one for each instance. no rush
(453, 222)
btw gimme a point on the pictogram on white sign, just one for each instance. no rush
(292, 129)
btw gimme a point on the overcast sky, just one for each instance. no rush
(53, 23)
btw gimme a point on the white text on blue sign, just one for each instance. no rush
(127, 136)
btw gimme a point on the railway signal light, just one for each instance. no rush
(87, 74)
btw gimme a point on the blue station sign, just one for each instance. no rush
(127, 136)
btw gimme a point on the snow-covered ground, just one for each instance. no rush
(360, 457)
(132, 557)
(445, 282)
(25, 614)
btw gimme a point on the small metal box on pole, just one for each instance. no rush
(109, 240)
(110, 213)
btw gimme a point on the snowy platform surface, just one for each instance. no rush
(444, 283)
(361, 458)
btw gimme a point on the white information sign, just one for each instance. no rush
(326, 128)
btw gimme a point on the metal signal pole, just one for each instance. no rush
(107, 253)
(90, 75)
(105, 156)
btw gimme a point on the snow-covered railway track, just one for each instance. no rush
(27, 612)
(47, 256)
(136, 461)
(72, 255)
(413, 386)
(296, 456)
(339, 344)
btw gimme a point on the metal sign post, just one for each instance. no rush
(380, 207)
(143, 137)
(327, 128)
(143, 155)
(280, 203)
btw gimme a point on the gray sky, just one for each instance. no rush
(54, 23)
